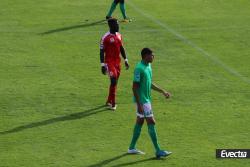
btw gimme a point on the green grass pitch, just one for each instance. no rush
(52, 89)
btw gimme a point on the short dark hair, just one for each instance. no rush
(112, 21)
(146, 51)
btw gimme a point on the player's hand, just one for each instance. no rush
(127, 65)
(166, 94)
(140, 108)
(104, 70)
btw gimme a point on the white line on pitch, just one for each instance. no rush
(190, 43)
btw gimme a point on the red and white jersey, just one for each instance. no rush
(111, 44)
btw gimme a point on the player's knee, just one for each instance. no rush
(140, 121)
(113, 81)
(150, 121)
(121, 1)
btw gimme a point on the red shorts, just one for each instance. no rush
(114, 70)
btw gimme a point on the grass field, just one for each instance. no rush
(52, 90)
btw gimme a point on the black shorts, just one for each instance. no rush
(118, 1)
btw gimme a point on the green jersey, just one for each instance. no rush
(143, 76)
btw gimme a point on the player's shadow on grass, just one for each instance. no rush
(108, 161)
(69, 117)
(73, 27)
(137, 162)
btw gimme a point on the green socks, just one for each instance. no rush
(112, 8)
(136, 134)
(122, 7)
(152, 133)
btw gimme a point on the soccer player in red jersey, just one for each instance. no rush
(110, 49)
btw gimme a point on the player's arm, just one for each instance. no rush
(123, 53)
(102, 56)
(102, 52)
(103, 69)
(160, 90)
(136, 86)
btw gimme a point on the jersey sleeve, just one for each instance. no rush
(102, 42)
(137, 75)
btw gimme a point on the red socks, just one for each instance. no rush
(112, 93)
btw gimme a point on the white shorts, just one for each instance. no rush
(147, 111)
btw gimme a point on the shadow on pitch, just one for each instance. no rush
(73, 27)
(106, 162)
(69, 117)
(137, 162)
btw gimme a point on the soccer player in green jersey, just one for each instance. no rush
(122, 7)
(142, 86)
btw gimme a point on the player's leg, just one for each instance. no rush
(114, 82)
(152, 131)
(112, 93)
(136, 134)
(112, 72)
(112, 8)
(123, 10)
(116, 69)
(109, 100)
